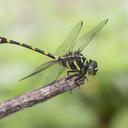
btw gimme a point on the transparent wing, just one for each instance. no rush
(67, 45)
(40, 68)
(54, 73)
(83, 41)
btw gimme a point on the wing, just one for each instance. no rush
(83, 41)
(41, 68)
(54, 73)
(67, 45)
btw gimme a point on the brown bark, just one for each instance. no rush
(39, 95)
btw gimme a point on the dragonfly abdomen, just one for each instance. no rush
(4, 40)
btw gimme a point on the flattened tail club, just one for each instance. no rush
(4, 40)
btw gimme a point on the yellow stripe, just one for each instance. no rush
(8, 41)
(67, 65)
(56, 57)
(33, 48)
(74, 62)
(0, 39)
(81, 60)
(21, 44)
(45, 53)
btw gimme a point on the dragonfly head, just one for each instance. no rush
(92, 67)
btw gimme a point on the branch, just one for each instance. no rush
(37, 96)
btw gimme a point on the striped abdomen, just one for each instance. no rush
(4, 40)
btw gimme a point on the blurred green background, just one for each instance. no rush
(100, 103)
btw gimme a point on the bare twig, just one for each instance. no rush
(37, 96)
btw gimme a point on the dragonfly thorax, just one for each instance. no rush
(76, 62)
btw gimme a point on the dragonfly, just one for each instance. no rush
(68, 56)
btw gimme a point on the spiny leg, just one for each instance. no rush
(71, 72)
(76, 80)
(70, 76)
(80, 76)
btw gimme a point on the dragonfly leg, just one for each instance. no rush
(70, 76)
(77, 80)
(70, 72)
(80, 77)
